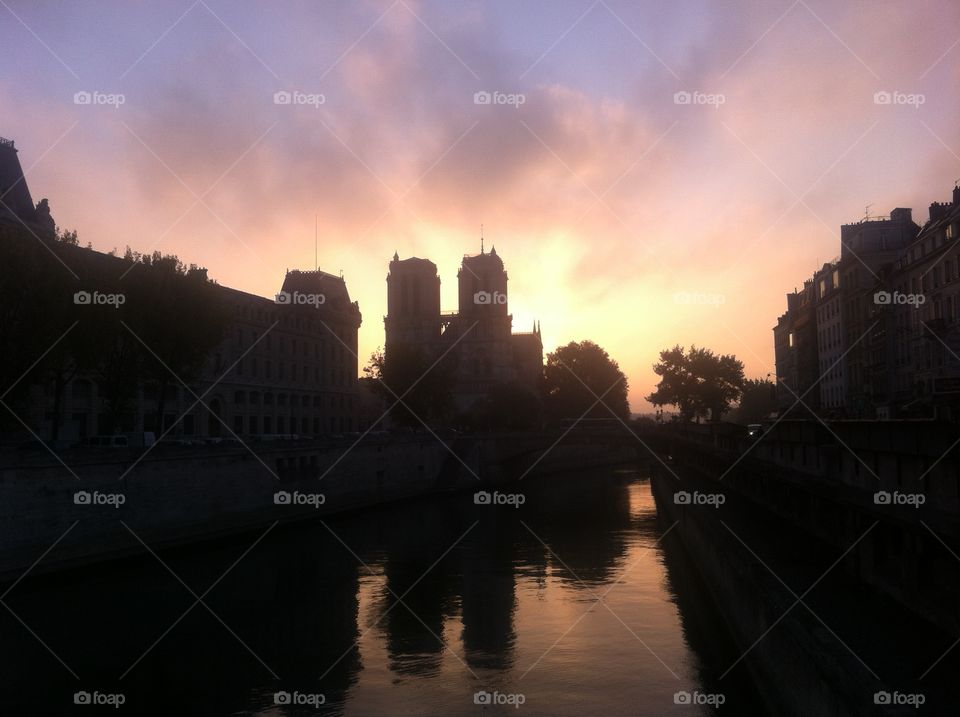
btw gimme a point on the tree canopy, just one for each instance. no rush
(698, 382)
(576, 376)
(757, 401)
(169, 318)
(415, 390)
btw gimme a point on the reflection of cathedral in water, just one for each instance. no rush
(476, 582)
(291, 606)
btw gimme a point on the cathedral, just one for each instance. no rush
(478, 336)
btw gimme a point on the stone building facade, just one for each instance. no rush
(893, 298)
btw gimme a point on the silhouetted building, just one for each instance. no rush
(795, 345)
(300, 377)
(478, 337)
(297, 378)
(286, 365)
(826, 283)
(867, 248)
(927, 355)
(886, 321)
(16, 204)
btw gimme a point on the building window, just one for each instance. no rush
(238, 424)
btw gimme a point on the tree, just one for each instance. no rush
(758, 400)
(699, 383)
(51, 336)
(677, 386)
(576, 376)
(178, 315)
(414, 389)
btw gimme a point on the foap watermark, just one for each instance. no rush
(284, 497)
(899, 98)
(483, 497)
(297, 298)
(85, 497)
(101, 699)
(683, 497)
(699, 298)
(714, 699)
(96, 298)
(912, 699)
(314, 699)
(886, 298)
(310, 99)
(698, 98)
(883, 497)
(512, 99)
(487, 298)
(514, 699)
(110, 99)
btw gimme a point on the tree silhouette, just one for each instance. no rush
(576, 375)
(757, 401)
(179, 316)
(175, 310)
(407, 372)
(699, 383)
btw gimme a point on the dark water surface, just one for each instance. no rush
(570, 604)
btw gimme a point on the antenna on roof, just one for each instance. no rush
(481, 238)
(866, 211)
(316, 264)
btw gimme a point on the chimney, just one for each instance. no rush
(938, 210)
(956, 196)
(901, 215)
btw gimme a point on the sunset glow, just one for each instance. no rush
(605, 194)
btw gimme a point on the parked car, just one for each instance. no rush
(755, 430)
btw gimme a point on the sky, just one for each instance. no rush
(651, 173)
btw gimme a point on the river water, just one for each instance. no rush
(577, 602)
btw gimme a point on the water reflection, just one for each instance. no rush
(406, 610)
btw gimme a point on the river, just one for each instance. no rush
(576, 602)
